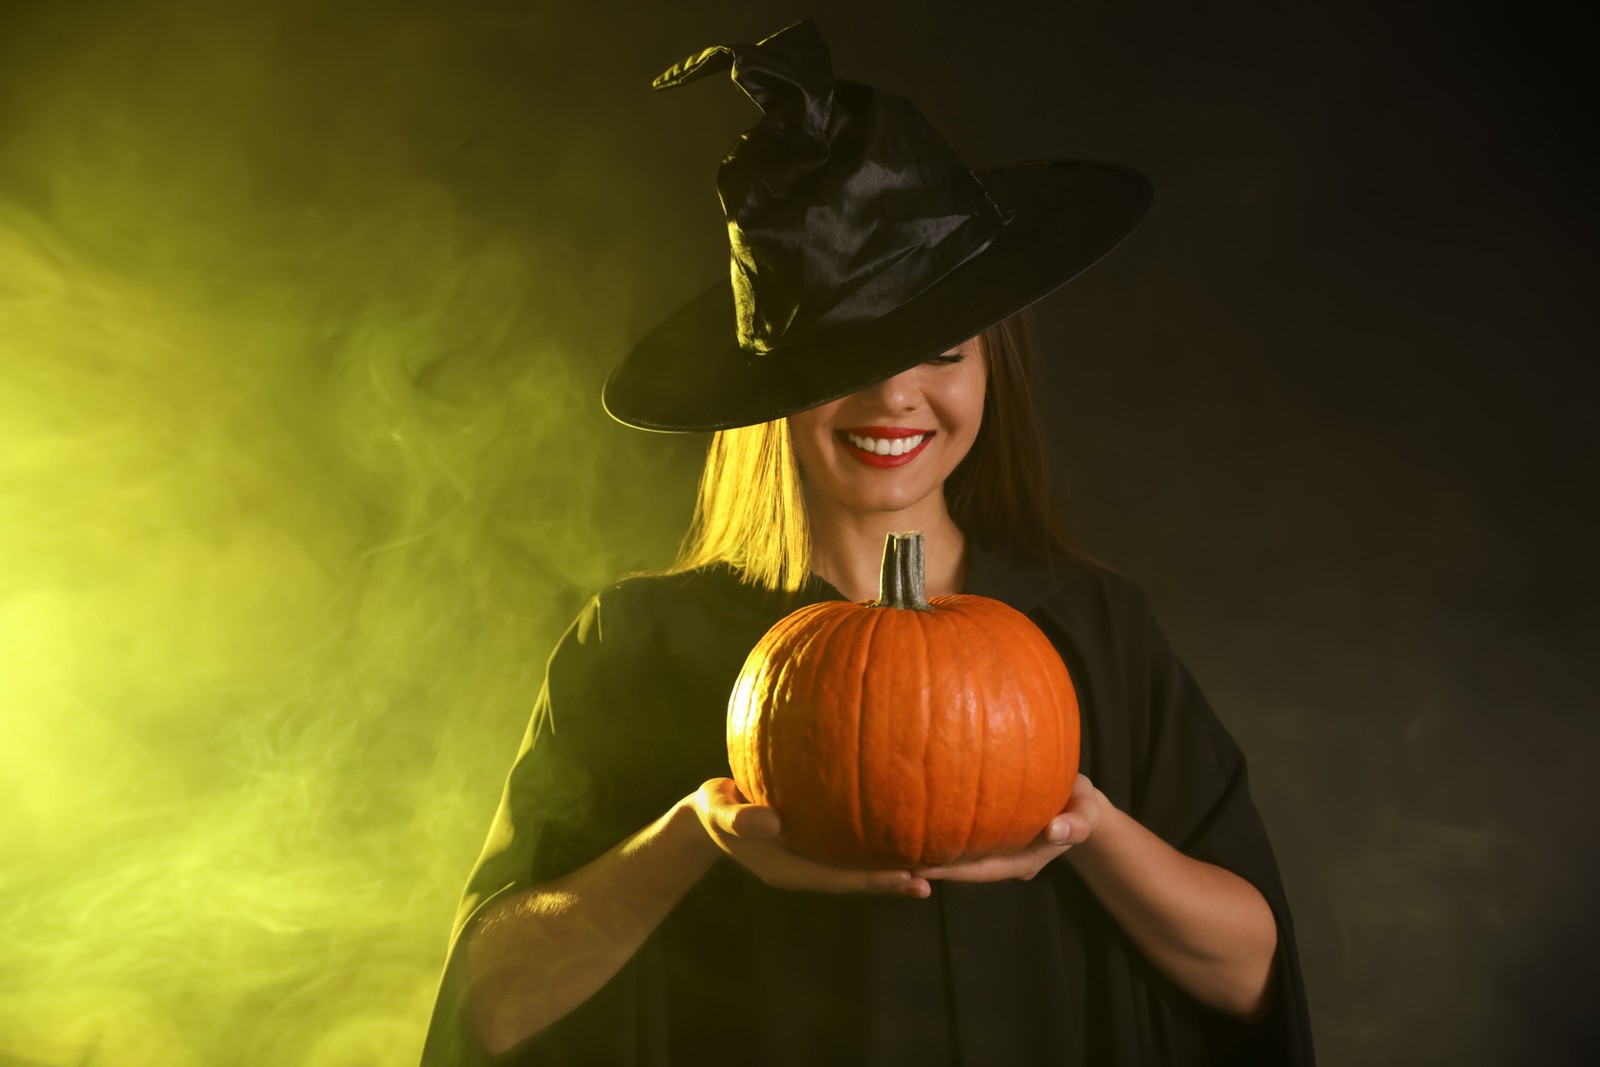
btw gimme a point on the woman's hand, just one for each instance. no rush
(749, 834)
(1072, 827)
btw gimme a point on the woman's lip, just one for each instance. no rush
(884, 431)
(872, 459)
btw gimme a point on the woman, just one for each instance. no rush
(868, 372)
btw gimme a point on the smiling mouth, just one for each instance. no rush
(886, 451)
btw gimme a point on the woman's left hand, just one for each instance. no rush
(1072, 827)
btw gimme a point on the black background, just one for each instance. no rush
(1330, 404)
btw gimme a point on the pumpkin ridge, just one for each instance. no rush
(823, 722)
(872, 622)
(770, 678)
(924, 621)
(787, 649)
(1006, 667)
(1052, 672)
(1067, 772)
(1031, 770)
(744, 713)
(950, 621)
(982, 718)
(1071, 730)
(977, 664)
(758, 743)
(858, 816)
(1028, 773)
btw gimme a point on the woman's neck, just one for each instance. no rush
(847, 547)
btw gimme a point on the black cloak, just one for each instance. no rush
(631, 719)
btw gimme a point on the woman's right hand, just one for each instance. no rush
(749, 834)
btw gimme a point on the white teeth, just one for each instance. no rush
(886, 446)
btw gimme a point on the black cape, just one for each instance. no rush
(631, 719)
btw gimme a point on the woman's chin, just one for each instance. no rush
(886, 499)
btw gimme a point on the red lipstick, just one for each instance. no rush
(872, 459)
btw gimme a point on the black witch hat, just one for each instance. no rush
(861, 245)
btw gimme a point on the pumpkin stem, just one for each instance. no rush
(902, 583)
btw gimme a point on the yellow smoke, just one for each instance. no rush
(300, 457)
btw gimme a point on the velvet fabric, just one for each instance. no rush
(632, 718)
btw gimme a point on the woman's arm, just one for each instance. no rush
(1208, 930)
(1205, 928)
(535, 955)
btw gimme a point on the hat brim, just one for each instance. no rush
(689, 373)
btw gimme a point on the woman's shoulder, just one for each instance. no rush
(646, 586)
(639, 601)
(672, 610)
(669, 590)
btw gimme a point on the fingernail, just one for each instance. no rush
(1059, 832)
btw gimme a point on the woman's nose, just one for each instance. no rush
(899, 393)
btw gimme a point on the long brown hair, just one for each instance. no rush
(750, 511)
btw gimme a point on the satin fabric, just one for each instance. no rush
(842, 201)
(631, 719)
(860, 245)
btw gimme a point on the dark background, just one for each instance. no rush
(1329, 405)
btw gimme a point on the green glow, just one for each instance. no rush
(298, 483)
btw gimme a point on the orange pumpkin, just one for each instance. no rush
(904, 732)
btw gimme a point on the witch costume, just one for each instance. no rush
(860, 247)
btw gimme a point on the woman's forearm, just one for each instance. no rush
(537, 954)
(1205, 928)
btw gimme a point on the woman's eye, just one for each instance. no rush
(948, 357)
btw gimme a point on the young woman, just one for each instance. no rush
(867, 373)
